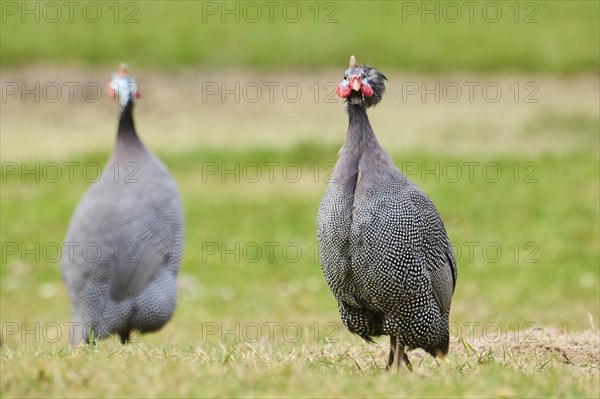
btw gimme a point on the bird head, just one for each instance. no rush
(123, 87)
(362, 85)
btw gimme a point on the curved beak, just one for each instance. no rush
(355, 82)
(361, 85)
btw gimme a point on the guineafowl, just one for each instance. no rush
(384, 250)
(125, 240)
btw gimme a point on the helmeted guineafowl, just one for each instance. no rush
(125, 241)
(384, 250)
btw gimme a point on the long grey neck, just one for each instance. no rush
(128, 142)
(360, 135)
(126, 130)
(359, 140)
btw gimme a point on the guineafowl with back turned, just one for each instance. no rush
(125, 241)
(384, 250)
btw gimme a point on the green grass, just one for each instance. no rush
(248, 324)
(552, 285)
(250, 370)
(545, 36)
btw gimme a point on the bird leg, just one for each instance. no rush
(124, 336)
(401, 357)
(391, 355)
(407, 362)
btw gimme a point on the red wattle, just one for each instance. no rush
(343, 91)
(366, 90)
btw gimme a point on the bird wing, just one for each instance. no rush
(440, 278)
(400, 241)
(146, 235)
(441, 262)
(333, 229)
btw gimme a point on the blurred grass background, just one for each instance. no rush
(549, 36)
(175, 46)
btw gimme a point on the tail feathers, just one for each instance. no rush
(367, 338)
(362, 322)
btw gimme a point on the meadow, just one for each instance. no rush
(549, 36)
(515, 178)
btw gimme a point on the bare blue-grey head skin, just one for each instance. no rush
(384, 249)
(125, 240)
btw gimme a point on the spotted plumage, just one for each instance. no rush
(384, 250)
(124, 243)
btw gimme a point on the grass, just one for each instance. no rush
(544, 36)
(251, 322)
(327, 370)
(261, 326)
